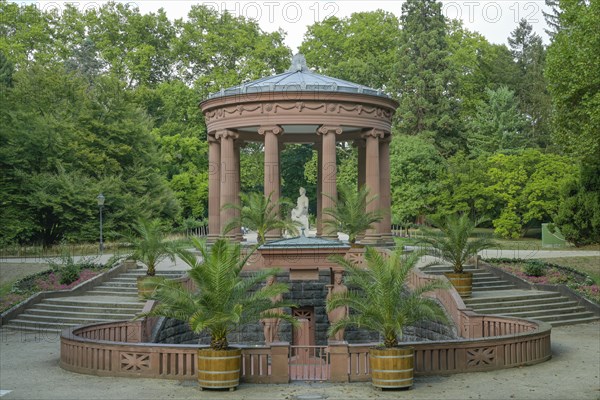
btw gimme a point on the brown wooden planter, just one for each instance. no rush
(143, 292)
(392, 368)
(219, 369)
(463, 283)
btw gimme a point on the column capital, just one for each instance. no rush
(274, 129)
(376, 133)
(212, 139)
(226, 134)
(325, 129)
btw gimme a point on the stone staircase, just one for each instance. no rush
(492, 295)
(483, 280)
(115, 299)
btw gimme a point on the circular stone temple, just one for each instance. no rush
(299, 106)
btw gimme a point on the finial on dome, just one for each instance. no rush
(299, 64)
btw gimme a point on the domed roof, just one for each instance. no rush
(298, 78)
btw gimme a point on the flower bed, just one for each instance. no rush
(45, 281)
(552, 274)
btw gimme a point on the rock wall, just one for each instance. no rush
(308, 295)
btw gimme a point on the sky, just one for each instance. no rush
(494, 19)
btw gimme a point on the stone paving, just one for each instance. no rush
(29, 370)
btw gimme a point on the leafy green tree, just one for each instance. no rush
(552, 17)
(224, 299)
(350, 49)
(136, 47)
(498, 125)
(26, 33)
(416, 167)
(477, 65)
(252, 167)
(258, 213)
(6, 72)
(463, 187)
(423, 81)
(68, 140)
(573, 63)
(578, 215)
(293, 159)
(382, 302)
(523, 188)
(221, 50)
(530, 56)
(349, 212)
(85, 60)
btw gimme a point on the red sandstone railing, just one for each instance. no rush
(114, 349)
(93, 350)
(490, 342)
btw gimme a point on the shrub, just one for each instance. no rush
(69, 273)
(535, 268)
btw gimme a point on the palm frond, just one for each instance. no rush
(453, 241)
(380, 300)
(349, 213)
(224, 299)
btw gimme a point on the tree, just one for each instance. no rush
(349, 212)
(68, 139)
(293, 159)
(224, 299)
(423, 81)
(350, 49)
(6, 72)
(381, 302)
(498, 125)
(530, 57)
(221, 50)
(522, 188)
(553, 17)
(416, 167)
(258, 213)
(463, 187)
(573, 63)
(578, 215)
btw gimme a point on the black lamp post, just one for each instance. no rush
(100, 199)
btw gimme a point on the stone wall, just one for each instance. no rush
(306, 294)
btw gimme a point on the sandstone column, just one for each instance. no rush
(385, 200)
(272, 183)
(214, 188)
(229, 177)
(372, 178)
(318, 148)
(236, 213)
(362, 158)
(328, 171)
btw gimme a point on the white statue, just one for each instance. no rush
(300, 213)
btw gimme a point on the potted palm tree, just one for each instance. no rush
(349, 213)
(453, 243)
(223, 301)
(150, 247)
(260, 214)
(380, 301)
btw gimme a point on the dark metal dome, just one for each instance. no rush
(298, 78)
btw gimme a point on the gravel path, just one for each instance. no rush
(29, 370)
(10, 272)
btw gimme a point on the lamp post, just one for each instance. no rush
(100, 199)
